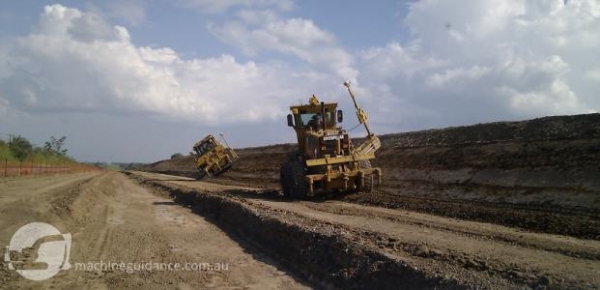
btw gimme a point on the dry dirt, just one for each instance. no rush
(271, 243)
(113, 219)
(364, 246)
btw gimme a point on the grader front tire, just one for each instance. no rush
(293, 180)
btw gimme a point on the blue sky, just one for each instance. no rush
(139, 80)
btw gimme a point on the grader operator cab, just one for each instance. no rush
(212, 157)
(326, 159)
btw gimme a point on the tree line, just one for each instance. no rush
(21, 149)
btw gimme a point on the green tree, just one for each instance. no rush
(176, 155)
(55, 146)
(20, 147)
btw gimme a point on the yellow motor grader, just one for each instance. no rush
(212, 157)
(326, 159)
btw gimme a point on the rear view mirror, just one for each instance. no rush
(340, 116)
(290, 120)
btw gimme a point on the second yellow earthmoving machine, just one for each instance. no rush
(212, 157)
(326, 159)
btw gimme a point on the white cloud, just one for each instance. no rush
(394, 61)
(454, 76)
(258, 17)
(4, 108)
(75, 61)
(133, 11)
(555, 99)
(5, 64)
(296, 36)
(593, 75)
(467, 61)
(219, 6)
(470, 61)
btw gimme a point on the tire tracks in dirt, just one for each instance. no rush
(577, 222)
(504, 235)
(112, 219)
(412, 249)
(572, 222)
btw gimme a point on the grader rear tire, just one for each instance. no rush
(367, 184)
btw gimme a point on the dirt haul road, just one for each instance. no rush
(268, 242)
(348, 245)
(114, 220)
